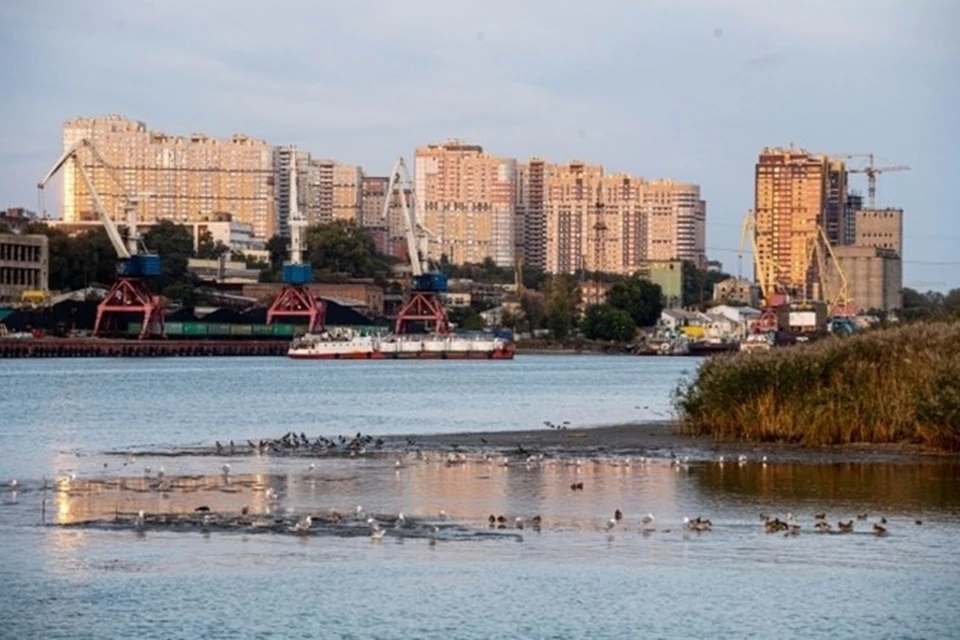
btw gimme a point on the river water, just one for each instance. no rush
(62, 423)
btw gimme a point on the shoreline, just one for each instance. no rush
(654, 440)
(659, 439)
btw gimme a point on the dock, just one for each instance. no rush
(127, 348)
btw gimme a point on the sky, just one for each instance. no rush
(686, 89)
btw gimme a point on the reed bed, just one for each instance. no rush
(898, 384)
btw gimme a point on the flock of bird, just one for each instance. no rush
(292, 442)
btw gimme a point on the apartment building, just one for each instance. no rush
(467, 198)
(790, 201)
(575, 216)
(188, 178)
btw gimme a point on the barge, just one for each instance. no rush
(350, 346)
(125, 348)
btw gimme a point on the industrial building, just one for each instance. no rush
(24, 266)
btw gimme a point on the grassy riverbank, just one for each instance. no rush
(899, 384)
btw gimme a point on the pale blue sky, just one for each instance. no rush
(689, 89)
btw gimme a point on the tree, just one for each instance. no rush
(642, 299)
(563, 301)
(606, 322)
(698, 284)
(174, 244)
(4, 228)
(534, 309)
(342, 248)
(207, 249)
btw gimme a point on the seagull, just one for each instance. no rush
(648, 522)
(140, 522)
(225, 469)
(433, 535)
(611, 523)
(400, 520)
(359, 512)
(160, 473)
(303, 526)
(377, 534)
(443, 514)
(518, 521)
(271, 495)
(14, 484)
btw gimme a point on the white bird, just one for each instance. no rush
(443, 514)
(611, 523)
(140, 523)
(648, 521)
(377, 534)
(359, 512)
(518, 521)
(271, 495)
(160, 473)
(433, 535)
(14, 484)
(206, 523)
(400, 520)
(303, 526)
(225, 469)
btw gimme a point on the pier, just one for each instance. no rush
(125, 348)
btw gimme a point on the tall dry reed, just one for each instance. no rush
(889, 385)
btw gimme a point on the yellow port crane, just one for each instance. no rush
(871, 171)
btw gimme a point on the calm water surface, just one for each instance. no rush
(571, 580)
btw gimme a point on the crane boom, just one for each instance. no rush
(297, 223)
(415, 232)
(71, 154)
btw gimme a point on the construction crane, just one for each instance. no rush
(423, 305)
(839, 303)
(130, 293)
(871, 171)
(771, 293)
(295, 299)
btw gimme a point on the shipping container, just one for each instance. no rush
(284, 330)
(218, 329)
(174, 328)
(195, 329)
(241, 330)
(262, 330)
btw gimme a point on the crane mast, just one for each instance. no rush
(423, 305)
(295, 299)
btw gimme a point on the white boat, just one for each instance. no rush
(345, 344)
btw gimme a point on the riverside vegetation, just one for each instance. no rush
(890, 385)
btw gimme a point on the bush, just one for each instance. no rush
(890, 385)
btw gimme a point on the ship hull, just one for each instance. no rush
(500, 354)
(405, 348)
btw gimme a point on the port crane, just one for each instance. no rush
(765, 274)
(871, 171)
(295, 299)
(423, 304)
(131, 292)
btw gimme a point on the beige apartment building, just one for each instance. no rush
(189, 178)
(388, 232)
(676, 221)
(576, 216)
(326, 190)
(467, 199)
(790, 200)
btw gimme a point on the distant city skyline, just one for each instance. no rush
(685, 89)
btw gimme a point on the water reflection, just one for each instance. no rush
(891, 487)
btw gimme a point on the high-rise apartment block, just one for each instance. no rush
(467, 199)
(189, 178)
(388, 231)
(576, 216)
(790, 202)
(834, 221)
(327, 190)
